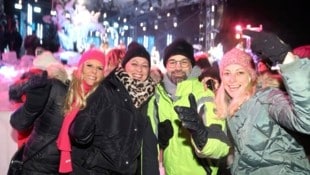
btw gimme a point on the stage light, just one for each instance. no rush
(53, 12)
(238, 28)
(125, 27)
(115, 25)
(156, 24)
(67, 15)
(18, 6)
(37, 9)
(156, 27)
(175, 22)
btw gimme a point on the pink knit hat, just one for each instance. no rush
(91, 54)
(237, 56)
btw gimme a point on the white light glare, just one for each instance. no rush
(18, 6)
(37, 9)
(8, 72)
(175, 24)
(125, 27)
(53, 12)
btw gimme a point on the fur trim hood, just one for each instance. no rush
(268, 79)
(34, 78)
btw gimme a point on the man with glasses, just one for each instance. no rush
(191, 139)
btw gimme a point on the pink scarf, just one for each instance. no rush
(64, 144)
(63, 140)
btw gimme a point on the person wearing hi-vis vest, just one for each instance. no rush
(191, 138)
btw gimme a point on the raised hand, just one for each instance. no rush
(193, 122)
(268, 46)
(37, 93)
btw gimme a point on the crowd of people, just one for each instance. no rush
(116, 114)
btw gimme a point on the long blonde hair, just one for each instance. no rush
(227, 106)
(76, 94)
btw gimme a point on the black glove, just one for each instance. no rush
(268, 47)
(28, 80)
(36, 80)
(165, 132)
(193, 122)
(37, 93)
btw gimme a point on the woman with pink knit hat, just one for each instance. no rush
(85, 79)
(113, 129)
(260, 119)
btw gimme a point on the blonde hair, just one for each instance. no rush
(227, 106)
(76, 93)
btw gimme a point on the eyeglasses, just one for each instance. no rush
(183, 63)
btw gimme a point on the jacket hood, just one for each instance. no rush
(57, 71)
(268, 79)
(171, 88)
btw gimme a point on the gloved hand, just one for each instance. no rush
(37, 93)
(193, 122)
(165, 132)
(35, 80)
(268, 46)
(29, 79)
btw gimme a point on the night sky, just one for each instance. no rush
(289, 19)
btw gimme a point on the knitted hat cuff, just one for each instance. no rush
(136, 50)
(179, 47)
(237, 56)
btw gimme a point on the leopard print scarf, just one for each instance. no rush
(139, 91)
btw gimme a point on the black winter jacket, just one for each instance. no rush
(108, 133)
(45, 130)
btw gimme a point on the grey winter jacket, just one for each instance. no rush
(260, 128)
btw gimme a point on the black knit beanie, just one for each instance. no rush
(179, 47)
(136, 50)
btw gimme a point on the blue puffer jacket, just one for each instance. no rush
(263, 144)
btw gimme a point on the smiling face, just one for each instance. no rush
(235, 79)
(178, 68)
(92, 71)
(138, 68)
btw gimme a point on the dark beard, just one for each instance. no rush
(175, 80)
